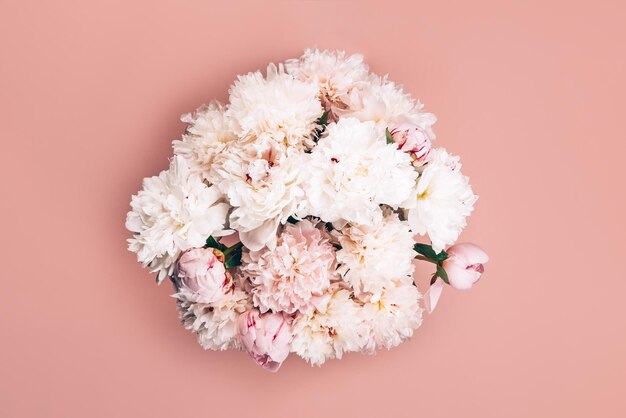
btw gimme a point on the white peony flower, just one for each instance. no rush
(323, 336)
(441, 200)
(173, 212)
(392, 317)
(335, 74)
(384, 102)
(206, 136)
(372, 257)
(215, 323)
(353, 170)
(263, 184)
(279, 106)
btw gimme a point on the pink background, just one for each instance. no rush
(531, 97)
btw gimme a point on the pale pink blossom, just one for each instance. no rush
(295, 275)
(464, 264)
(414, 140)
(265, 337)
(201, 275)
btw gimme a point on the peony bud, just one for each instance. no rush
(265, 337)
(414, 140)
(201, 275)
(464, 264)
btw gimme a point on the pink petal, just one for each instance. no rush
(432, 295)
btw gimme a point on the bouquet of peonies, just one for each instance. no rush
(323, 173)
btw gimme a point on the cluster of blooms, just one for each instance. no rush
(325, 173)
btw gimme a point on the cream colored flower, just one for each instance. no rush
(264, 187)
(173, 212)
(206, 136)
(392, 316)
(372, 257)
(441, 200)
(352, 171)
(335, 74)
(384, 102)
(329, 334)
(278, 106)
(215, 323)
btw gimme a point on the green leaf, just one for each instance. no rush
(442, 256)
(428, 252)
(233, 260)
(388, 136)
(321, 122)
(441, 272)
(232, 255)
(234, 248)
(422, 258)
(213, 243)
(425, 250)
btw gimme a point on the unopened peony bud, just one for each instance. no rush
(265, 337)
(464, 265)
(201, 275)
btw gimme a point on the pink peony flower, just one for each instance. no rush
(265, 337)
(201, 276)
(293, 276)
(413, 140)
(464, 264)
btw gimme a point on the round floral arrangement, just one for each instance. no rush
(321, 175)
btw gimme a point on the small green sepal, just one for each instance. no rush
(428, 252)
(388, 136)
(232, 255)
(441, 272)
(213, 243)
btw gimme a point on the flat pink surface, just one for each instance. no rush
(531, 96)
